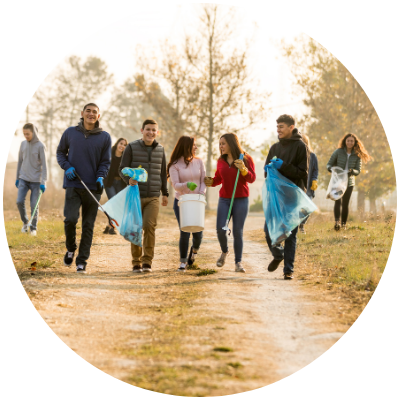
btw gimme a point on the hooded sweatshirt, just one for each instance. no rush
(88, 151)
(295, 156)
(32, 165)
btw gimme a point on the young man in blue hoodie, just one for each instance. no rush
(85, 149)
(31, 174)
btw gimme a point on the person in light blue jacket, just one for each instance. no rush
(31, 175)
(312, 181)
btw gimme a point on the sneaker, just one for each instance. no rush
(24, 228)
(33, 232)
(239, 268)
(182, 267)
(111, 231)
(192, 256)
(137, 269)
(288, 276)
(146, 268)
(81, 268)
(107, 229)
(273, 265)
(221, 260)
(337, 226)
(68, 258)
(301, 227)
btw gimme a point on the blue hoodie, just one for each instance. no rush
(89, 152)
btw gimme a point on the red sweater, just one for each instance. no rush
(226, 175)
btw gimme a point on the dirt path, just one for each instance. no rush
(184, 334)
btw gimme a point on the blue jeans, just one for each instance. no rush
(240, 209)
(185, 237)
(286, 253)
(116, 186)
(23, 188)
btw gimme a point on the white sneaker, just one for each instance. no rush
(221, 259)
(33, 232)
(24, 228)
(81, 268)
(182, 267)
(239, 268)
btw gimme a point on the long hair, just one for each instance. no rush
(183, 148)
(114, 148)
(234, 146)
(359, 148)
(306, 140)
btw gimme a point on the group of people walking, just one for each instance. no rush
(86, 155)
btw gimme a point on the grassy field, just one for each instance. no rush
(345, 266)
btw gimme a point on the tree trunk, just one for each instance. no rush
(361, 203)
(210, 117)
(372, 204)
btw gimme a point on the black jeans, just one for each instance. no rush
(74, 199)
(185, 237)
(286, 253)
(344, 204)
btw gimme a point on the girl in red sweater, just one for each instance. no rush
(227, 166)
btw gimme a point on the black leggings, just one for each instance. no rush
(345, 208)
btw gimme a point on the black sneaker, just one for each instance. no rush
(288, 276)
(273, 265)
(137, 269)
(68, 258)
(146, 268)
(81, 268)
(192, 256)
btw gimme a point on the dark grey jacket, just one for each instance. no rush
(339, 159)
(136, 155)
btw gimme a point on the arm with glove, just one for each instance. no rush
(314, 171)
(248, 172)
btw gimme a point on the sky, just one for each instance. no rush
(364, 362)
(116, 44)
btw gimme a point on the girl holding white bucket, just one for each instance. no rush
(234, 174)
(186, 173)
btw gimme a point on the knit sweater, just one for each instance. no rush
(339, 159)
(226, 174)
(181, 174)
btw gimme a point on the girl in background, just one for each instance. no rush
(113, 182)
(227, 167)
(183, 169)
(349, 156)
(312, 182)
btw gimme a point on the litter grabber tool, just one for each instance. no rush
(111, 221)
(35, 209)
(225, 228)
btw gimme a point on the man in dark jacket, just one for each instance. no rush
(292, 162)
(147, 153)
(85, 149)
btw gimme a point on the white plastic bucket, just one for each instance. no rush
(192, 209)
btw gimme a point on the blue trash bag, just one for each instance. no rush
(285, 206)
(137, 174)
(132, 222)
(125, 208)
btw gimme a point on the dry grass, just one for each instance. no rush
(344, 266)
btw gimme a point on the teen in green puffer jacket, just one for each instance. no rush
(349, 156)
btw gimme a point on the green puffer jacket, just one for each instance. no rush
(339, 159)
